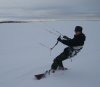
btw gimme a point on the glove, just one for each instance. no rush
(65, 37)
(59, 39)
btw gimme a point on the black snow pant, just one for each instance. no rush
(58, 61)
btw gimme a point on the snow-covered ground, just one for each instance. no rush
(22, 55)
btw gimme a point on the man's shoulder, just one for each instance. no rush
(82, 35)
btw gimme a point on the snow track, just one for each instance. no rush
(21, 55)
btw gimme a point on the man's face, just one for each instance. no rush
(77, 33)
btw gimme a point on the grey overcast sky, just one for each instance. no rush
(50, 7)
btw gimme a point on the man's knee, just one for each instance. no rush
(66, 51)
(56, 60)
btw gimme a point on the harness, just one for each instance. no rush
(74, 50)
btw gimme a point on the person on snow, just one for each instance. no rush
(74, 46)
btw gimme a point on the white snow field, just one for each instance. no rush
(22, 55)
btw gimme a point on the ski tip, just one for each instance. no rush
(39, 76)
(36, 78)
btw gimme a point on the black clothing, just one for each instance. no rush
(70, 51)
(78, 40)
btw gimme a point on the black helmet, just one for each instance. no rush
(78, 29)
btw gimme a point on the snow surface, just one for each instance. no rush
(22, 55)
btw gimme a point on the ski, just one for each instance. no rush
(42, 75)
(47, 73)
(39, 76)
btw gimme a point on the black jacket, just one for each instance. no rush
(78, 40)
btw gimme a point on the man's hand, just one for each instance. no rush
(65, 37)
(59, 38)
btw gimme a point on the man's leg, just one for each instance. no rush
(58, 60)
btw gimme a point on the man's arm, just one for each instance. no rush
(65, 40)
(68, 42)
